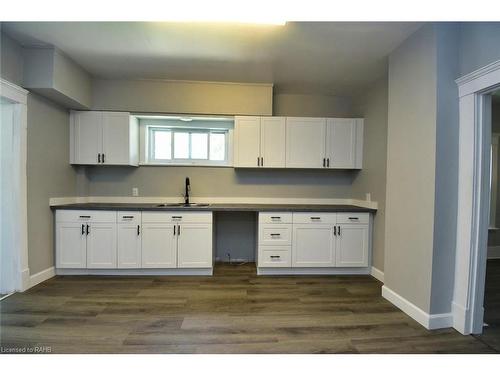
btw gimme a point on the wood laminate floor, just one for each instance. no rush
(234, 311)
(491, 333)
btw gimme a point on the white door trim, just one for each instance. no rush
(473, 197)
(19, 96)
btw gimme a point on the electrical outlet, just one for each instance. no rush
(228, 255)
(135, 192)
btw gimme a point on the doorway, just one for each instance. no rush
(14, 272)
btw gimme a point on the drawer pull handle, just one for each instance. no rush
(84, 217)
(275, 257)
(128, 217)
(275, 234)
(315, 218)
(176, 217)
(276, 217)
(354, 218)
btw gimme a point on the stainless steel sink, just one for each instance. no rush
(183, 205)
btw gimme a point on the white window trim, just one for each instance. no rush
(144, 158)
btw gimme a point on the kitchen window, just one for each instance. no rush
(176, 141)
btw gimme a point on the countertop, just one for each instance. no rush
(214, 207)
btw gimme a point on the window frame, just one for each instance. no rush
(147, 145)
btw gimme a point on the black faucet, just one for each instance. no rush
(186, 194)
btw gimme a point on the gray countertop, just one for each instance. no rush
(214, 207)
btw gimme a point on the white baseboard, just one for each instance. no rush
(429, 321)
(494, 252)
(136, 271)
(25, 279)
(41, 276)
(376, 273)
(312, 271)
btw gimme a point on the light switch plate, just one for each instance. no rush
(135, 192)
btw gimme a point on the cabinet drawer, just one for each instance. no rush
(176, 217)
(314, 218)
(353, 218)
(128, 217)
(275, 217)
(275, 256)
(86, 215)
(275, 234)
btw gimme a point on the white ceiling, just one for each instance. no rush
(300, 57)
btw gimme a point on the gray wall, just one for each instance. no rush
(479, 45)
(49, 175)
(182, 97)
(411, 149)
(446, 194)
(312, 105)
(372, 178)
(219, 182)
(11, 60)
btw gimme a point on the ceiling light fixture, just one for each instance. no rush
(267, 20)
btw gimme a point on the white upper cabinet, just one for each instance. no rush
(272, 142)
(305, 142)
(259, 142)
(246, 142)
(344, 143)
(103, 138)
(86, 139)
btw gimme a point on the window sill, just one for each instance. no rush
(149, 164)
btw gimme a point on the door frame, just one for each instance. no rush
(19, 97)
(473, 196)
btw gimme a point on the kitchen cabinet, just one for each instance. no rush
(176, 240)
(309, 240)
(274, 240)
(85, 239)
(159, 245)
(101, 245)
(129, 240)
(313, 245)
(71, 245)
(194, 245)
(103, 138)
(344, 139)
(305, 142)
(259, 142)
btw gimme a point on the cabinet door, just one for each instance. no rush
(71, 245)
(116, 138)
(272, 142)
(305, 142)
(129, 245)
(101, 245)
(159, 245)
(341, 143)
(313, 246)
(194, 246)
(246, 142)
(352, 246)
(87, 137)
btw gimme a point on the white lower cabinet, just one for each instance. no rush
(129, 240)
(133, 240)
(101, 245)
(352, 245)
(71, 245)
(317, 240)
(177, 240)
(159, 245)
(194, 245)
(313, 245)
